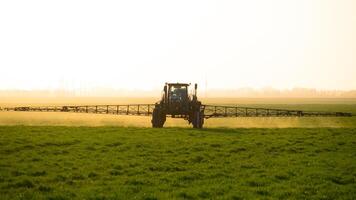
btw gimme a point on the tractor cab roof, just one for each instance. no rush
(178, 84)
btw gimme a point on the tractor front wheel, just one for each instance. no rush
(158, 118)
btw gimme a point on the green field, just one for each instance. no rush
(176, 163)
(99, 156)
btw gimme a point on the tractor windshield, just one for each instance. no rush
(178, 93)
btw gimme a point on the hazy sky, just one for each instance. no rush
(142, 44)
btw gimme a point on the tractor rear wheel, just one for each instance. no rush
(158, 118)
(198, 119)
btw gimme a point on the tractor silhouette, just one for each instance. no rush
(178, 103)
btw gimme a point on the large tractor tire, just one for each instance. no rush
(198, 119)
(158, 118)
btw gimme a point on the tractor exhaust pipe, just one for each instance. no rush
(195, 97)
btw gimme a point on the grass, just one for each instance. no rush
(176, 163)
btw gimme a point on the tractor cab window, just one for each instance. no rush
(178, 93)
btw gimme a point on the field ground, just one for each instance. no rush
(46, 162)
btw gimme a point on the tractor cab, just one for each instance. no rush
(177, 93)
(176, 98)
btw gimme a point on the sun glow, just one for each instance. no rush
(142, 44)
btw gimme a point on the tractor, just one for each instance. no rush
(176, 102)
